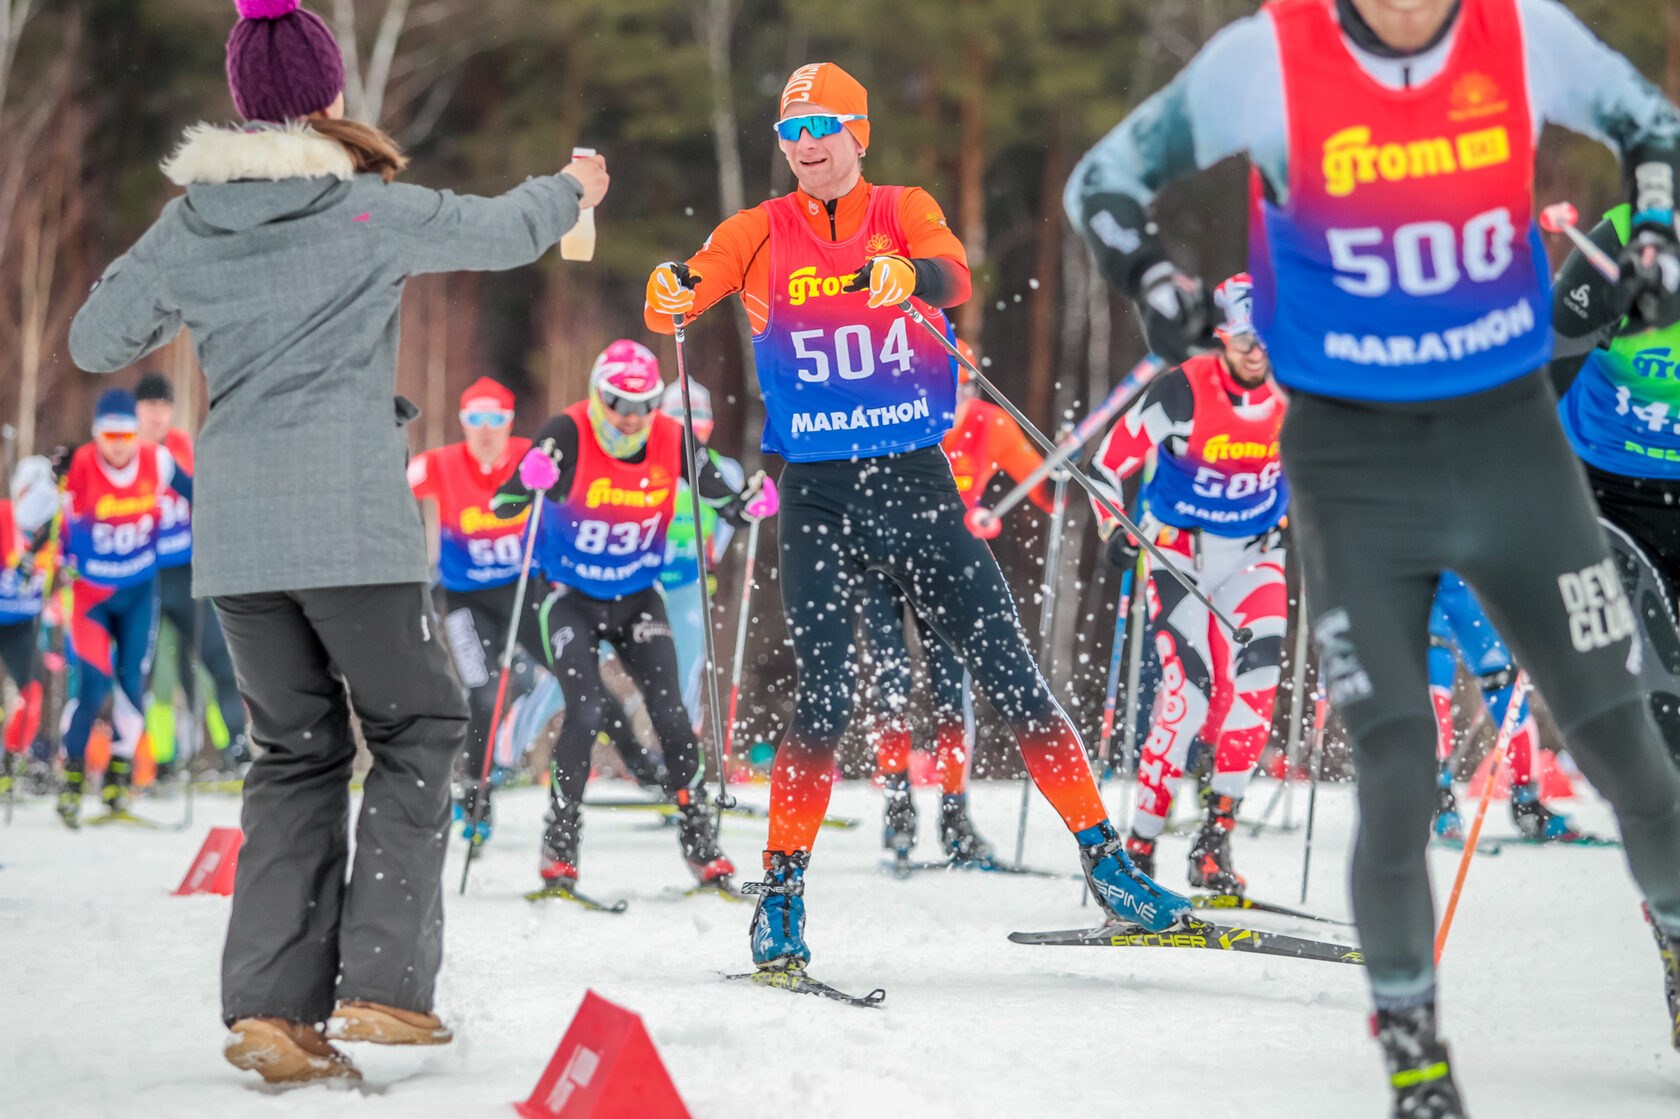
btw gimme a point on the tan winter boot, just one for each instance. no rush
(386, 1025)
(283, 1052)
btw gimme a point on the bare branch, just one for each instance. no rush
(379, 61)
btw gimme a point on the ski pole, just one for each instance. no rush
(987, 523)
(1117, 651)
(741, 639)
(1046, 622)
(200, 702)
(483, 792)
(1292, 746)
(1111, 695)
(1560, 217)
(691, 452)
(1507, 728)
(1242, 635)
(1135, 626)
(1312, 795)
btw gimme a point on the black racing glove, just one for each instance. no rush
(1650, 261)
(1177, 313)
(1120, 549)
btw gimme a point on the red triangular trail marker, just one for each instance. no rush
(605, 1068)
(213, 868)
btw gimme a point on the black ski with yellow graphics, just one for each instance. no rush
(794, 979)
(1238, 901)
(1192, 932)
(566, 893)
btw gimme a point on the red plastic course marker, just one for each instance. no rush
(213, 868)
(605, 1068)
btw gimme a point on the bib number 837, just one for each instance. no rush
(1430, 257)
(620, 539)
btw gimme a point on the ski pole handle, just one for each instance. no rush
(987, 523)
(1560, 217)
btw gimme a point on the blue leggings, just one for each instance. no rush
(101, 619)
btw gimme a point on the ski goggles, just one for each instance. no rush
(116, 435)
(819, 125)
(627, 405)
(1241, 344)
(486, 417)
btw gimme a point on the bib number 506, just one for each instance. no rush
(851, 353)
(1429, 256)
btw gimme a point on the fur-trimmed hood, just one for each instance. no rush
(215, 154)
(240, 178)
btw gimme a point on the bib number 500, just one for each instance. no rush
(1429, 256)
(851, 353)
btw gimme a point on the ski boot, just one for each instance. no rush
(1210, 854)
(70, 799)
(1142, 853)
(778, 923)
(113, 791)
(1418, 1069)
(236, 758)
(559, 867)
(1671, 978)
(1125, 893)
(465, 805)
(898, 818)
(8, 775)
(956, 832)
(1535, 820)
(1448, 823)
(697, 835)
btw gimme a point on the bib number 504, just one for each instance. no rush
(851, 353)
(1430, 257)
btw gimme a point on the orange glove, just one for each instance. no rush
(890, 279)
(670, 289)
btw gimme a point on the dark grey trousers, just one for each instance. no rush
(1385, 498)
(300, 934)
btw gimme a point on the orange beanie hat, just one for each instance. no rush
(825, 84)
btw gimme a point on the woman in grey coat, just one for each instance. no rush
(286, 258)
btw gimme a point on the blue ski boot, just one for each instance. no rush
(1448, 823)
(464, 808)
(778, 924)
(1535, 820)
(1125, 893)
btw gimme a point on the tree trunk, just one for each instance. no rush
(1671, 74)
(971, 177)
(380, 59)
(13, 15)
(1100, 343)
(1041, 353)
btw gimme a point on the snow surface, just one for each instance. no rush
(1552, 987)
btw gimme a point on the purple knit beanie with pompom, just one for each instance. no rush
(282, 61)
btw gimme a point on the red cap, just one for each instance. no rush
(487, 394)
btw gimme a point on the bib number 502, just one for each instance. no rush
(1429, 256)
(851, 352)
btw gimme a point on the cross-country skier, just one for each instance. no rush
(154, 402)
(287, 255)
(1621, 411)
(857, 401)
(1401, 288)
(1459, 627)
(33, 503)
(610, 464)
(113, 512)
(679, 579)
(1219, 490)
(982, 443)
(479, 556)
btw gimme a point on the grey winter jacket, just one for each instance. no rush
(288, 268)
